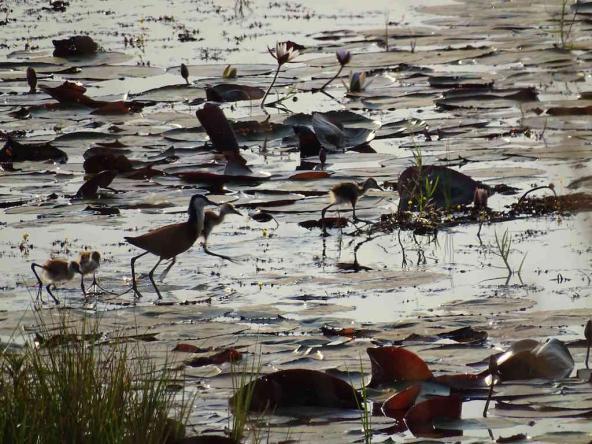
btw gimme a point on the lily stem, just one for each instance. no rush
(332, 78)
(277, 71)
(489, 396)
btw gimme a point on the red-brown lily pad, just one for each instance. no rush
(396, 364)
(421, 417)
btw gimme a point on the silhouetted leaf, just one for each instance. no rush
(301, 388)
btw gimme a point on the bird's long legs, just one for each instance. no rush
(323, 211)
(211, 253)
(134, 284)
(167, 269)
(82, 286)
(95, 284)
(48, 288)
(40, 284)
(151, 277)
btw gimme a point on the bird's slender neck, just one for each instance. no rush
(196, 215)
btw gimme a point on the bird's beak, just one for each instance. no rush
(235, 211)
(379, 187)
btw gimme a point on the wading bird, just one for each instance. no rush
(55, 271)
(89, 262)
(348, 192)
(169, 241)
(212, 220)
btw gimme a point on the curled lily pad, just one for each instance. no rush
(107, 161)
(530, 359)
(91, 186)
(231, 92)
(15, 151)
(395, 364)
(300, 388)
(421, 417)
(450, 187)
(79, 45)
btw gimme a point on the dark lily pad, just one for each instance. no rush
(451, 187)
(79, 45)
(15, 151)
(231, 92)
(300, 388)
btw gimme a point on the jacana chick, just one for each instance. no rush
(55, 271)
(348, 192)
(169, 241)
(89, 262)
(212, 220)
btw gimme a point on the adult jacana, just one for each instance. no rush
(348, 192)
(89, 262)
(54, 271)
(169, 241)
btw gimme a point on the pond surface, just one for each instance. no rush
(484, 87)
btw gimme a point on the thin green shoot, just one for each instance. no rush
(244, 376)
(364, 406)
(565, 26)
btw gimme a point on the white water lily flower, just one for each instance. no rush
(284, 53)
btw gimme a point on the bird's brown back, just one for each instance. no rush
(88, 261)
(56, 269)
(168, 241)
(345, 192)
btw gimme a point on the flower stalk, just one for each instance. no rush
(343, 57)
(284, 53)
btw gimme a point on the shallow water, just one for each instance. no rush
(290, 281)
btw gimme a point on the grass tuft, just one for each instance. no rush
(73, 389)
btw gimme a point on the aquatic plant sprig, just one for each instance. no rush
(343, 57)
(284, 52)
(588, 336)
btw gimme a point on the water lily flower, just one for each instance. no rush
(284, 52)
(357, 82)
(229, 72)
(343, 57)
